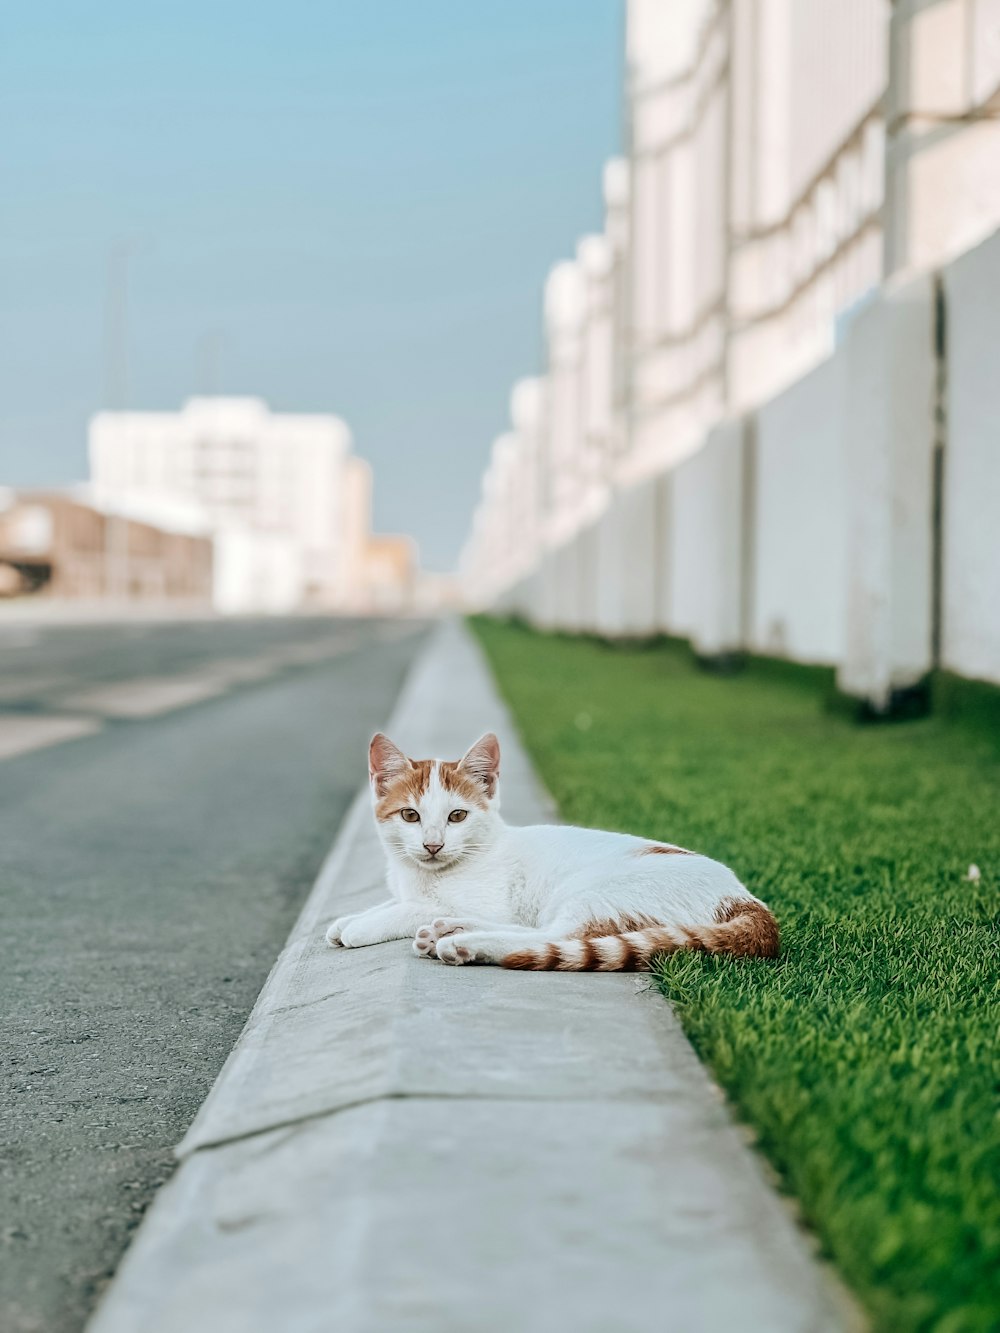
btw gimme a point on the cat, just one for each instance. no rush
(470, 888)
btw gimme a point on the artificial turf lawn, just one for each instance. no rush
(866, 1058)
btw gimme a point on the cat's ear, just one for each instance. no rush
(482, 762)
(385, 761)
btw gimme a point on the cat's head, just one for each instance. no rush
(432, 813)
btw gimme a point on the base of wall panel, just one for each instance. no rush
(902, 705)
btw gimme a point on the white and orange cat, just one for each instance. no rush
(471, 889)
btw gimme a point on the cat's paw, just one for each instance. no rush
(426, 938)
(451, 950)
(424, 942)
(335, 931)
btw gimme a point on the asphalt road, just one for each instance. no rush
(149, 874)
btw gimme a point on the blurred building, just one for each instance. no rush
(382, 572)
(390, 572)
(357, 521)
(59, 545)
(762, 422)
(287, 504)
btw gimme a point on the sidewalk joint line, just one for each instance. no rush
(636, 1099)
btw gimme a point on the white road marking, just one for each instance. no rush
(20, 733)
(301, 654)
(151, 696)
(23, 686)
(146, 698)
(233, 671)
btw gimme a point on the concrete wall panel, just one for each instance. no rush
(889, 426)
(705, 544)
(588, 565)
(567, 610)
(627, 568)
(971, 526)
(798, 599)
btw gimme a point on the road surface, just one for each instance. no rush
(151, 866)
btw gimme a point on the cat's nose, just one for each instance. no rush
(432, 848)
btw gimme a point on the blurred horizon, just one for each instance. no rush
(337, 209)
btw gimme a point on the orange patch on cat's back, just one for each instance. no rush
(663, 849)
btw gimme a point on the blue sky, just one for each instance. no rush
(359, 199)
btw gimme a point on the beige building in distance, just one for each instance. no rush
(381, 570)
(59, 545)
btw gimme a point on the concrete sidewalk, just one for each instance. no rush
(394, 1144)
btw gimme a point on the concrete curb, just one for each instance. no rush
(393, 1144)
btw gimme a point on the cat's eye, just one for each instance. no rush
(457, 816)
(410, 815)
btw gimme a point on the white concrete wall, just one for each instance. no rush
(798, 597)
(705, 543)
(628, 557)
(527, 597)
(943, 186)
(890, 380)
(806, 531)
(563, 562)
(564, 477)
(794, 171)
(543, 612)
(588, 562)
(971, 518)
(663, 499)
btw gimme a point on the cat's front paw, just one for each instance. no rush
(424, 942)
(452, 950)
(426, 938)
(335, 931)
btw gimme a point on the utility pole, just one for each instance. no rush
(116, 397)
(116, 366)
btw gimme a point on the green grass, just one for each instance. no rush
(866, 1058)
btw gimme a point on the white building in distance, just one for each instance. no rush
(275, 490)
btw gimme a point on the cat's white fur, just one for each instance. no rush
(538, 897)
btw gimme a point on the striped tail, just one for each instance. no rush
(744, 928)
